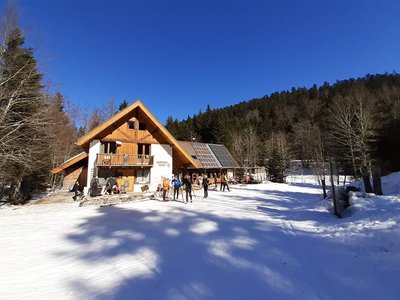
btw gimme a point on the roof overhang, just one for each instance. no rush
(69, 162)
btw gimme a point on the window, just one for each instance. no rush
(142, 176)
(110, 147)
(113, 148)
(131, 124)
(142, 126)
(144, 149)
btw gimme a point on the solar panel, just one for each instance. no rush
(223, 156)
(205, 156)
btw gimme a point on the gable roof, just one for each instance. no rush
(105, 127)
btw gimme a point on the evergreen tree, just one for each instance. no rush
(224, 131)
(212, 128)
(278, 158)
(276, 167)
(185, 131)
(171, 127)
(123, 105)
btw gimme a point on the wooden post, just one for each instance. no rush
(323, 186)
(376, 180)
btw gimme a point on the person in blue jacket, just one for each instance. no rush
(177, 185)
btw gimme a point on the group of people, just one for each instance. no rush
(176, 185)
(112, 186)
(187, 184)
(224, 183)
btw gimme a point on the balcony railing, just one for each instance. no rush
(117, 160)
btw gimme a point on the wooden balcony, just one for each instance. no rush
(124, 160)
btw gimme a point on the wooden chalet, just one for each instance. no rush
(132, 146)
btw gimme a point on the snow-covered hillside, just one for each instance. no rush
(265, 241)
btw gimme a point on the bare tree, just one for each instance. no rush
(109, 109)
(238, 148)
(342, 133)
(246, 147)
(309, 143)
(303, 139)
(252, 146)
(353, 127)
(91, 118)
(366, 125)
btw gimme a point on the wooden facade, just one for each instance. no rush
(126, 151)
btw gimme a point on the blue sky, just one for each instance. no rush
(178, 56)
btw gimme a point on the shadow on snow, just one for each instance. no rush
(187, 254)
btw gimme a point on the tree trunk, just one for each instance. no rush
(367, 182)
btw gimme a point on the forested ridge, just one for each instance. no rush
(355, 121)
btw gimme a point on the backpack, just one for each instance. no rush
(177, 183)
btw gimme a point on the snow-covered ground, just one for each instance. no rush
(265, 241)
